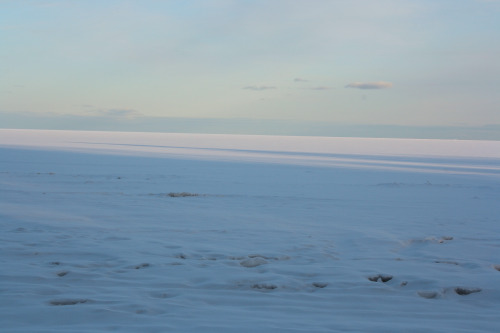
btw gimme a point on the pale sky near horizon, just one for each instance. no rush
(368, 62)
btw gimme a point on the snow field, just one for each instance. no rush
(94, 239)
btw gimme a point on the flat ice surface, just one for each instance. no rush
(147, 232)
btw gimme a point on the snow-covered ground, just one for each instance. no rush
(147, 232)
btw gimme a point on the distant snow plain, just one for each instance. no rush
(152, 232)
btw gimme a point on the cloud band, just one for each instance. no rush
(369, 85)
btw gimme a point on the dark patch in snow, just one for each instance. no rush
(446, 262)
(466, 291)
(162, 295)
(395, 184)
(68, 301)
(264, 286)
(382, 277)
(445, 238)
(181, 256)
(177, 195)
(182, 194)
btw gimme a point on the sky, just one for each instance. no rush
(245, 65)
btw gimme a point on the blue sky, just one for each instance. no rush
(424, 63)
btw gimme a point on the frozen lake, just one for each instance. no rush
(107, 231)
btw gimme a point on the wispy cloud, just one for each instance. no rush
(128, 113)
(369, 85)
(320, 88)
(111, 113)
(298, 79)
(259, 88)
